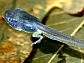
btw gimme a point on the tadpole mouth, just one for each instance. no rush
(5, 15)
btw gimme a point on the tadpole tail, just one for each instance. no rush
(61, 37)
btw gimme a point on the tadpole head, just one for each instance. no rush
(20, 20)
(11, 17)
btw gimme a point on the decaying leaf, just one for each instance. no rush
(73, 6)
(15, 45)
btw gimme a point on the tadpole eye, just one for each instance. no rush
(10, 19)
